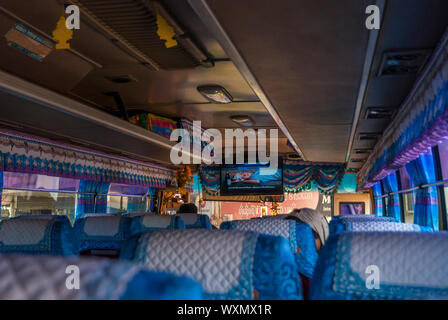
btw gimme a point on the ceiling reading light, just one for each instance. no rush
(215, 94)
(243, 120)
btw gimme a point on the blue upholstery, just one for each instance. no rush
(37, 237)
(195, 221)
(140, 224)
(228, 264)
(335, 222)
(369, 226)
(138, 214)
(101, 232)
(46, 277)
(278, 216)
(63, 219)
(299, 235)
(410, 265)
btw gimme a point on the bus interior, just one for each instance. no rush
(230, 150)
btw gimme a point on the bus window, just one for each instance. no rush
(443, 153)
(21, 202)
(408, 197)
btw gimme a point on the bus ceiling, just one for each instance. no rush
(309, 68)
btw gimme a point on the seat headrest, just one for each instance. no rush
(46, 278)
(336, 222)
(63, 219)
(299, 235)
(360, 218)
(375, 225)
(101, 232)
(408, 265)
(195, 221)
(155, 222)
(36, 236)
(228, 264)
(138, 214)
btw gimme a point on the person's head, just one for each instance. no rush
(316, 221)
(245, 175)
(188, 208)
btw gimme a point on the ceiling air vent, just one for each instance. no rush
(374, 113)
(136, 23)
(363, 151)
(121, 79)
(293, 157)
(403, 62)
(369, 136)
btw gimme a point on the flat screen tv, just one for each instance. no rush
(248, 179)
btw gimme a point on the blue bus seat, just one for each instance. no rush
(348, 226)
(101, 232)
(37, 237)
(228, 264)
(337, 220)
(195, 221)
(299, 235)
(61, 218)
(409, 265)
(45, 278)
(144, 223)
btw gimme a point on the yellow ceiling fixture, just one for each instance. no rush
(62, 34)
(165, 31)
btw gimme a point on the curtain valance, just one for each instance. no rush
(422, 122)
(21, 153)
(296, 178)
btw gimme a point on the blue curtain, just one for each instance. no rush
(426, 211)
(88, 190)
(151, 193)
(390, 184)
(376, 188)
(102, 188)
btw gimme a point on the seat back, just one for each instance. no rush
(101, 232)
(335, 222)
(299, 235)
(408, 265)
(228, 264)
(195, 221)
(37, 237)
(139, 214)
(367, 226)
(63, 219)
(144, 223)
(278, 216)
(46, 278)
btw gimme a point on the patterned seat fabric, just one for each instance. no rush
(103, 232)
(278, 216)
(338, 220)
(37, 237)
(408, 265)
(45, 277)
(195, 221)
(348, 226)
(63, 219)
(228, 264)
(144, 223)
(139, 214)
(299, 235)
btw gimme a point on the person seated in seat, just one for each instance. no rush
(319, 225)
(315, 220)
(187, 208)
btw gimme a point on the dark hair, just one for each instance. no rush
(188, 208)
